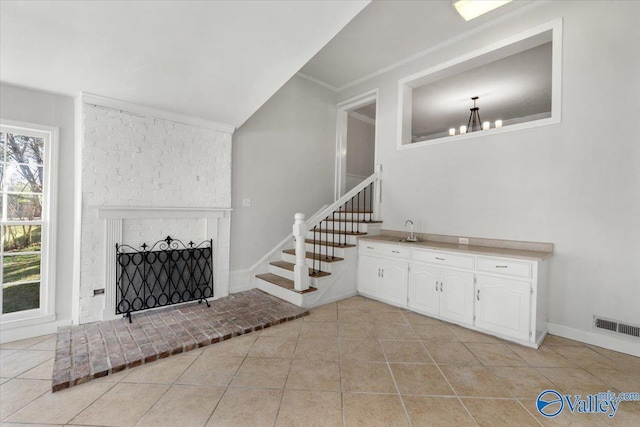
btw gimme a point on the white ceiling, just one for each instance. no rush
(387, 32)
(213, 60)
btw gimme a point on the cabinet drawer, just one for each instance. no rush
(396, 251)
(369, 247)
(443, 258)
(506, 267)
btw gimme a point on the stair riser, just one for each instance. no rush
(288, 274)
(339, 252)
(362, 217)
(324, 266)
(351, 240)
(348, 226)
(277, 291)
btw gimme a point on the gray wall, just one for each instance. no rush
(360, 150)
(52, 110)
(575, 184)
(283, 160)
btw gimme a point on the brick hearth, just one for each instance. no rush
(97, 349)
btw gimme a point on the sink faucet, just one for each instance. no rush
(412, 237)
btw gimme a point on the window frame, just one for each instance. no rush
(406, 84)
(46, 311)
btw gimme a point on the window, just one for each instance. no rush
(26, 225)
(510, 85)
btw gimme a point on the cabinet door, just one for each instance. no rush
(503, 306)
(424, 294)
(368, 275)
(456, 299)
(393, 283)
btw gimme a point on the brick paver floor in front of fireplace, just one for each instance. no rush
(97, 349)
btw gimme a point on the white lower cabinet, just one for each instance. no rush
(441, 292)
(500, 296)
(424, 289)
(504, 306)
(384, 279)
(456, 299)
(393, 281)
(368, 275)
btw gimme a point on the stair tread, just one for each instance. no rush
(348, 233)
(282, 282)
(358, 221)
(311, 255)
(325, 243)
(356, 211)
(289, 266)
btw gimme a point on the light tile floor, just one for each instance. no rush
(357, 362)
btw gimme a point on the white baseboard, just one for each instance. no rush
(333, 299)
(629, 346)
(240, 280)
(30, 331)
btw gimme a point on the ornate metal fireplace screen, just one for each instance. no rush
(168, 272)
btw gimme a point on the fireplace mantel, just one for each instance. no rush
(125, 212)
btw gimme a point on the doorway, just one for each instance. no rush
(356, 141)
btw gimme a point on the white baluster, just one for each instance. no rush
(300, 270)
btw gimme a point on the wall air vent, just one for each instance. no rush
(634, 331)
(616, 326)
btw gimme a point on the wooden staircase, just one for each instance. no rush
(322, 266)
(331, 256)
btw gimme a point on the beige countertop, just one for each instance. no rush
(468, 249)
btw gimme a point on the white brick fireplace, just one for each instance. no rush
(144, 178)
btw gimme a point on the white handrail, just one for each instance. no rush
(300, 227)
(314, 220)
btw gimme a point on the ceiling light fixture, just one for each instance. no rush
(474, 118)
(475, 123)
(470, 9)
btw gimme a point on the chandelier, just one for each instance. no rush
(475, 123)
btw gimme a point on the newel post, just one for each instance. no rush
(378, 192)
(300, 270)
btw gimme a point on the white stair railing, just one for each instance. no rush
(346, 203)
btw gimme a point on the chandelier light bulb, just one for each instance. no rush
(463, 130)
(498, 123)
(486, 126)
(452, 131)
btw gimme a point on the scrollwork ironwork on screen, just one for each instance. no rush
(164, 273)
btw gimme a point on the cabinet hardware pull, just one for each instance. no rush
(478, 295)
(396, 252)
(502, 266)
(369, 247)
(440, 259)
(378, 272)
(440, 286)
(382, 272)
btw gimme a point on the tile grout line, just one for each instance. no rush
(166, 391)
(513, 397)
(446, 379)
(232, 377)
(393, 378)
(344, 416)
(93, 402)
(284, 387)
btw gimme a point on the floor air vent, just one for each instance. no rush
(615, 326)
